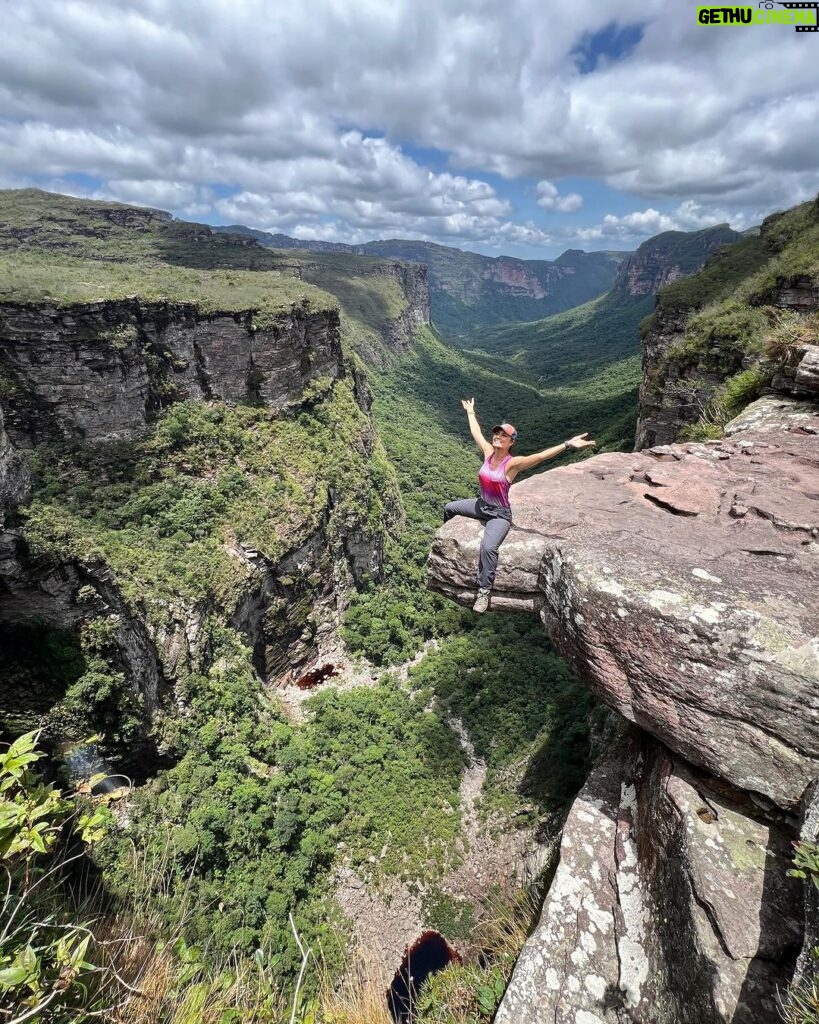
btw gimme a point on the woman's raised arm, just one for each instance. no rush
(520, 462)
(474, 428)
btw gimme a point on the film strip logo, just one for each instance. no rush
(814, 6)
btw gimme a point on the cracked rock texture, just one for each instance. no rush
(671, 904)
(681, 583)
(807, 966)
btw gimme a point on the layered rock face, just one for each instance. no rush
(799, 374)
(668, 257)
(663, 409)
(101, 373)
(412, 278)
(679, 378)
(681, 583)
(98, 372)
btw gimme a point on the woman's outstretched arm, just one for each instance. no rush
(474, 428)
(520, 462)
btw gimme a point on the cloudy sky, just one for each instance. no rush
(525, 127)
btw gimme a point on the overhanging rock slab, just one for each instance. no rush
(681, 582)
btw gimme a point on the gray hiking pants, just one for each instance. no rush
(498, 522)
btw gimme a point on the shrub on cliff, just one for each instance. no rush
(50, 964)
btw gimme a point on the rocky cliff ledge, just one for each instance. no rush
(681, 583)
(98, 371)
(99, 374)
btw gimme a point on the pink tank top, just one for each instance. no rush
(494, 485)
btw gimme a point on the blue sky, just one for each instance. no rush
(523, 130)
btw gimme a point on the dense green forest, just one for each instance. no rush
(418, 413)
(228, 849)
(572, 348)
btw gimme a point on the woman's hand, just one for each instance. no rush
(468, 404)
(580, 441)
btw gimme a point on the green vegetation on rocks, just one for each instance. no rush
(161, 513)
(526, 713)
(32, 278)
(733, 331)
(728, 300)
(250, 821)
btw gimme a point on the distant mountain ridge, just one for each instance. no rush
(470, 291)
(606, 327)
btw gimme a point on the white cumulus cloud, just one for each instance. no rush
(369, 116)
(550, 199)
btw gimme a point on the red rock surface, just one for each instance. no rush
(681, 582)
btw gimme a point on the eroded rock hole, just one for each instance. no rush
(318, 675)
(426, 956)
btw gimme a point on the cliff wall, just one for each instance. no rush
(412, 279)
(667, 257)
(89, 384)
(100, 372)
(680, 583)
(753, 302)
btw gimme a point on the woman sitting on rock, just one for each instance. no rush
(496, 474)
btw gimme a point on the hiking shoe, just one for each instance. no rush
(481, 601)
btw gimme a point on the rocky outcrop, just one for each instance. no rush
(100, 371)
(668, 257)
(666, 406)
(671, 903)
(681, 583)
(399, 331)
(679, 381)
(64, 595)
(799, 372)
